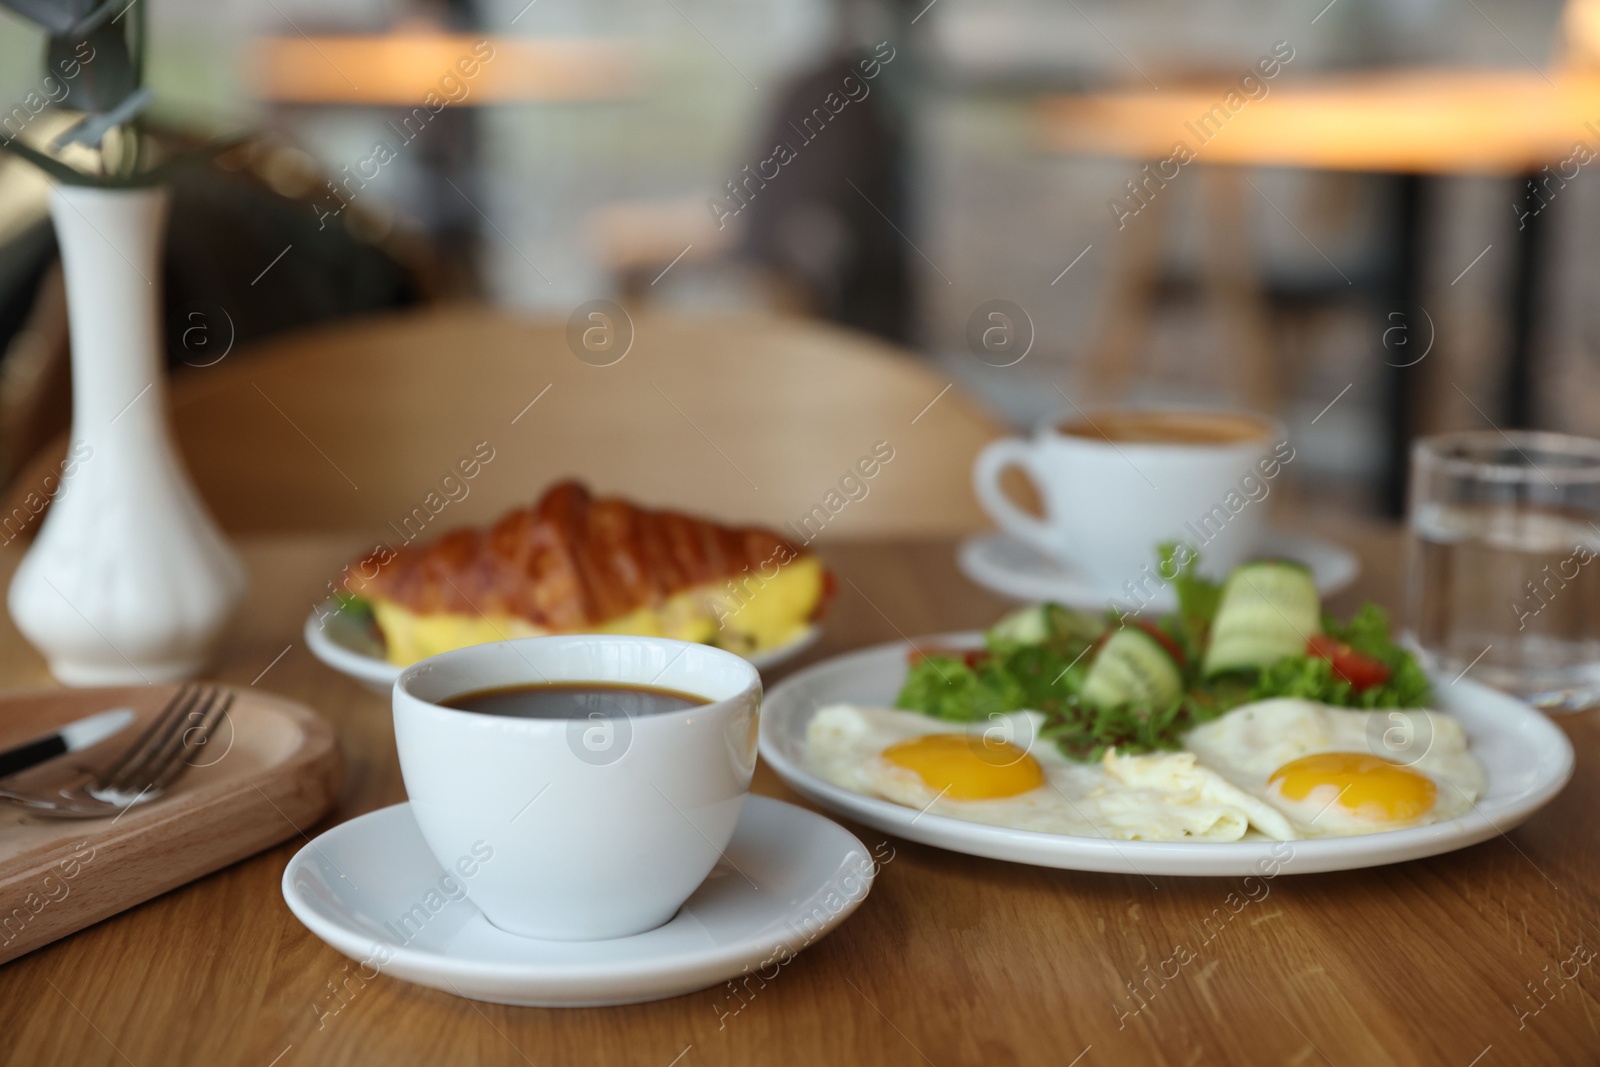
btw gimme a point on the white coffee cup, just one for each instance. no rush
(596, 828)
(1110, 497)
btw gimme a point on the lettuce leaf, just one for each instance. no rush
(1038, 658)
(947, 687)
(1312, 677)
(1198, 597)
(1046, 679)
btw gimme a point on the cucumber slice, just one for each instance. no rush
(1025, 626)
(1043, 623)
(1133, 668)
(1269, 611)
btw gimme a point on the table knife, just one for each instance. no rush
(72, 737)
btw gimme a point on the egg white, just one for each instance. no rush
(1179, 791)
(1161, 797)
(1250, 742)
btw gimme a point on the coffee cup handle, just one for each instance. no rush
(992, 462)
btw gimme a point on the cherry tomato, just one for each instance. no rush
(1361, 671)
(1164, 639)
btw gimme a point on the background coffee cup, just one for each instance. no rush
(596, 828)
(1109, 503)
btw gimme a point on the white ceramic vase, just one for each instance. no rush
(129, 579)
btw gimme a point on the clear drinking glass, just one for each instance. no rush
(1503, 584)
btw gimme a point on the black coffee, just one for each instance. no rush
(1168, 427)
(574, 700)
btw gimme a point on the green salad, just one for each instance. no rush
(1115, 679)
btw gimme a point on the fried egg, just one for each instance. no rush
(1337, 772)
(995, 772)
(1182, 790)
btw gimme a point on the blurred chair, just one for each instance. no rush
(831, 225)
(437, 79)
(1140, 280)
(362, 425)
(1247, 304)
(819, 231)
(638, 241)
(35, 381)
(230, 223)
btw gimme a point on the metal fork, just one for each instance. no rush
(141, 772)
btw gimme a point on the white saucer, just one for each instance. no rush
(1527, 757)
(1000, 562)
(349, 645)
(787, 878)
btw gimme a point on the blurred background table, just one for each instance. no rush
(952, 959)
(1418, 121)
(1414, 124)
(401, 68)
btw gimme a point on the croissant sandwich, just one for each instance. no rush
(574, 563)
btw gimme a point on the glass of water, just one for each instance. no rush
(1503, 583)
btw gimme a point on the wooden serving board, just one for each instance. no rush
(268, 772)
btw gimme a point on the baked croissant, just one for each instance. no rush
(573, 563)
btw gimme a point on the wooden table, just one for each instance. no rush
(1412, 123)
(951, 960)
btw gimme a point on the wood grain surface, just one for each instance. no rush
(269, 766)
(1483, 957)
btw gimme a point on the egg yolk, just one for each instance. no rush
(1370, 788)
(967, 766)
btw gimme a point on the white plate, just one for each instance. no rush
(1002, 563)
(1527, 757)
(787, 878)
(349, 646)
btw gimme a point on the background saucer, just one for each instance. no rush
(1004, 564)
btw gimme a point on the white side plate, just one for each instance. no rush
(1527, 757)
(348, 645)
(788, 877)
